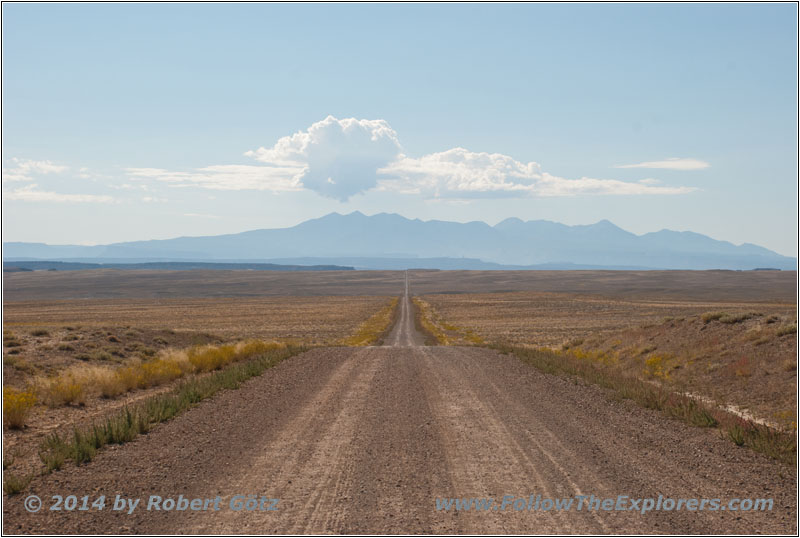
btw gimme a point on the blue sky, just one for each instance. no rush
(124, 121)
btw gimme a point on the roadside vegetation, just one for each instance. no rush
(74, 385)
(781, 445)
(423, 324)
(375, 329)
(437, 331)
(17, 404)
(125, 425)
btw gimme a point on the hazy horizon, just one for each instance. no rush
(128, 122)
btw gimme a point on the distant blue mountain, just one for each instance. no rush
(335, 238)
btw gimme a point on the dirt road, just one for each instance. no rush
(364, 440)
(403, 333)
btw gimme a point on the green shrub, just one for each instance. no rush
(132, 421)
(711, 316)
(738, 318)
(13, 484)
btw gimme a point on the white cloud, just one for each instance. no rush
(24, 170)
(459, 170)
(673, 163)
(225, 177)
(341, 158)
(459, 173)
(201, 215)
(29, 193)
(558, 186)
(335, 158)
(131, 187)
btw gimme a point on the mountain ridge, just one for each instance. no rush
(511, 241)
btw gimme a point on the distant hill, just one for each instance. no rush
(10, 268)
(386, 241)
(36, 265)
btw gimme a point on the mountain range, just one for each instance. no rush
(391, 241)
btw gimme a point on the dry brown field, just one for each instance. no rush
(111, 331)
(152, 284)
(734, 352)
(138, 284)
(553, 319)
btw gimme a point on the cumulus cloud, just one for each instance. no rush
(335, 158)
(31, 193)
(341, 158)
(24, 170)
(673, 163)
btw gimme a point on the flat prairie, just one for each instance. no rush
(770, 286)
(49, 336)
(158, 284)
(693, 286)
(553, 319)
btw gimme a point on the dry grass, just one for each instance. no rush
(551, 319)
(424, 319)
(217, 367)
(315, 319)
(374, 329)
(747, 363)
(108, 382)
(438, 330)
(787, 330)
(124, 425)
(111, 334)
(73, 385)
(64, 389)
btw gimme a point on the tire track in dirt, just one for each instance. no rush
(490, 462)
(305, 476)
